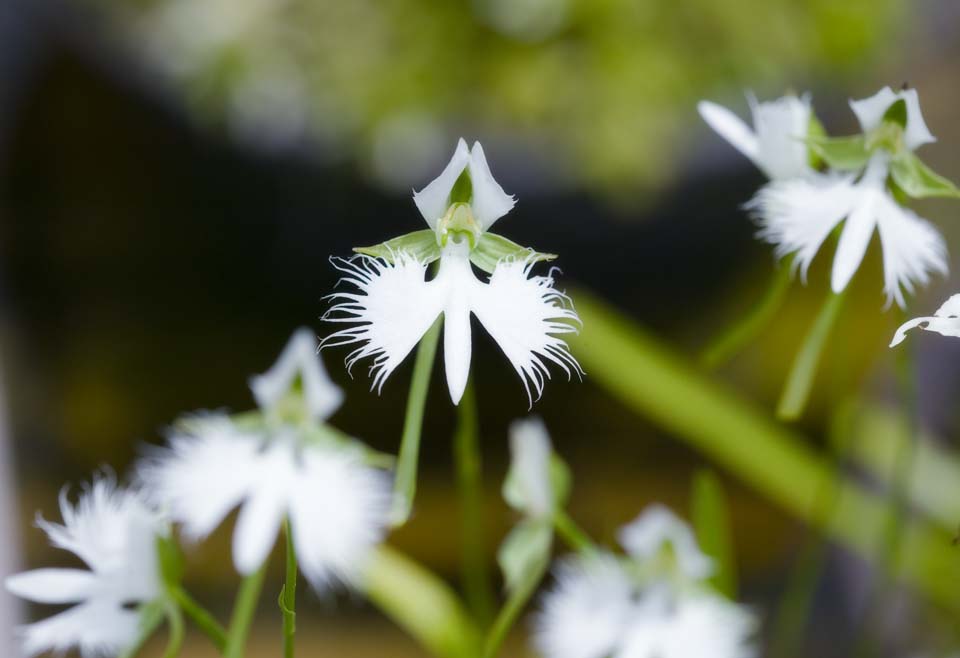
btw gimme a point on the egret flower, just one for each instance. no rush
(289, 466)
(114, 532)
(798, 215)
(397, 304)
(658, 529)
(777, 143)
(945, 321)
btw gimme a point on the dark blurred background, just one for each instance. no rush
(174, 175)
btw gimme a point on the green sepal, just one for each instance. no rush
(421, 245)
(462, 191)
(897, 113)
(844, 153)
(525, 548)
(170, 559)
(918, 180)
(815, 131)
(492, 248)
(151, 616)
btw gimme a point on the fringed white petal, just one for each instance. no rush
(299, 358)
(339, 513)
(797, 215)
(870, 113)
(913, 249)
(531, 452)
(946, 322)
(658, 527)
(490, 202)
(525, 315)
(434, 199)
(586, 614)
(732, 128)
(781, 128)
(97, 629)
(394, 308)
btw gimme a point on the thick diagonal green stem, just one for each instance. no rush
(775, 460)
(288, 596)
(745, 330)
(405, 485)
(421, 604)
(244, 608)
(466, 451)
(796, 391)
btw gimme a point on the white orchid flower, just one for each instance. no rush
(114, 532)
(945, 321)
(396, 304)
(777, 143)
(798, 215)
(337, 505)
(658, 529)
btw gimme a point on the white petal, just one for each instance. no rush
(200, 478)
(870, 113)
(658, 527)
(531, 451)
(781, 128)
(729, 126)
(949, 327)
(434, 199)
(917, 132)
(912, 248)
(524, 314)
(457, 347)
(950, 308)
(53, 585)
(490, 202)
(798, 215)
(97, 629)
(267, 503)
(339, 512)
(854, 239)
(299, 357)
(586, 614)
(395, 308)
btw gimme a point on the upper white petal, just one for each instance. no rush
(524, 314)
(53, 585)
(658, 527)
(530, 464)
(434, 199)
(781, 127)
(732, 128)
(870, 113)
(490, 202)
(299, 357)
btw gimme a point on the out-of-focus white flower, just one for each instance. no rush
(870, 113)
(776, 144)
(115, 533)
(945, 321)
(529, 485)
(658, 529)
(336, 504)
(396, 304)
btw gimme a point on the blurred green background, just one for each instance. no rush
(175, 173)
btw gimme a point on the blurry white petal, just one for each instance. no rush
(530, 466)
(299, 357)
(490, 202)
(53, 585)
(395, 308)
(870, 113)
(912, 248)
(524, 314)
(434, 199)
(946, 322)
(781, 128)
(732, 128)
(96, 629)
(261, 515)
(854, 239)
(339, 512)
(657, 528)
(585, 615)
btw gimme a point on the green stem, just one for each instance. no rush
(571, 533)
(466, 451)
(804, 368)
(288, 595)
(421, 604)
(514, 605)
(244, 608)
(743, 332)
(151, 616)
(175, 622)
(200, 617)
(405, 485)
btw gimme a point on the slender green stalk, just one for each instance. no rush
(420, 603)
(804, 368)
(405, 485)
(244, 607)
(743, 332)
(200, 617)
(575, 537)
(512, 608)
(466, 452)
(175, 622)
(151, 616)
(288, 595)
(710, 515)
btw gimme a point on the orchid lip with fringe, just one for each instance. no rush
(396, 304)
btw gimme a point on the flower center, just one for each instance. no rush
(458, 224)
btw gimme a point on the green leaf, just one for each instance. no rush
(421, 245)
(524, 549)
(918, 180)
(847, 153)
(493, 248)
(711, 520)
